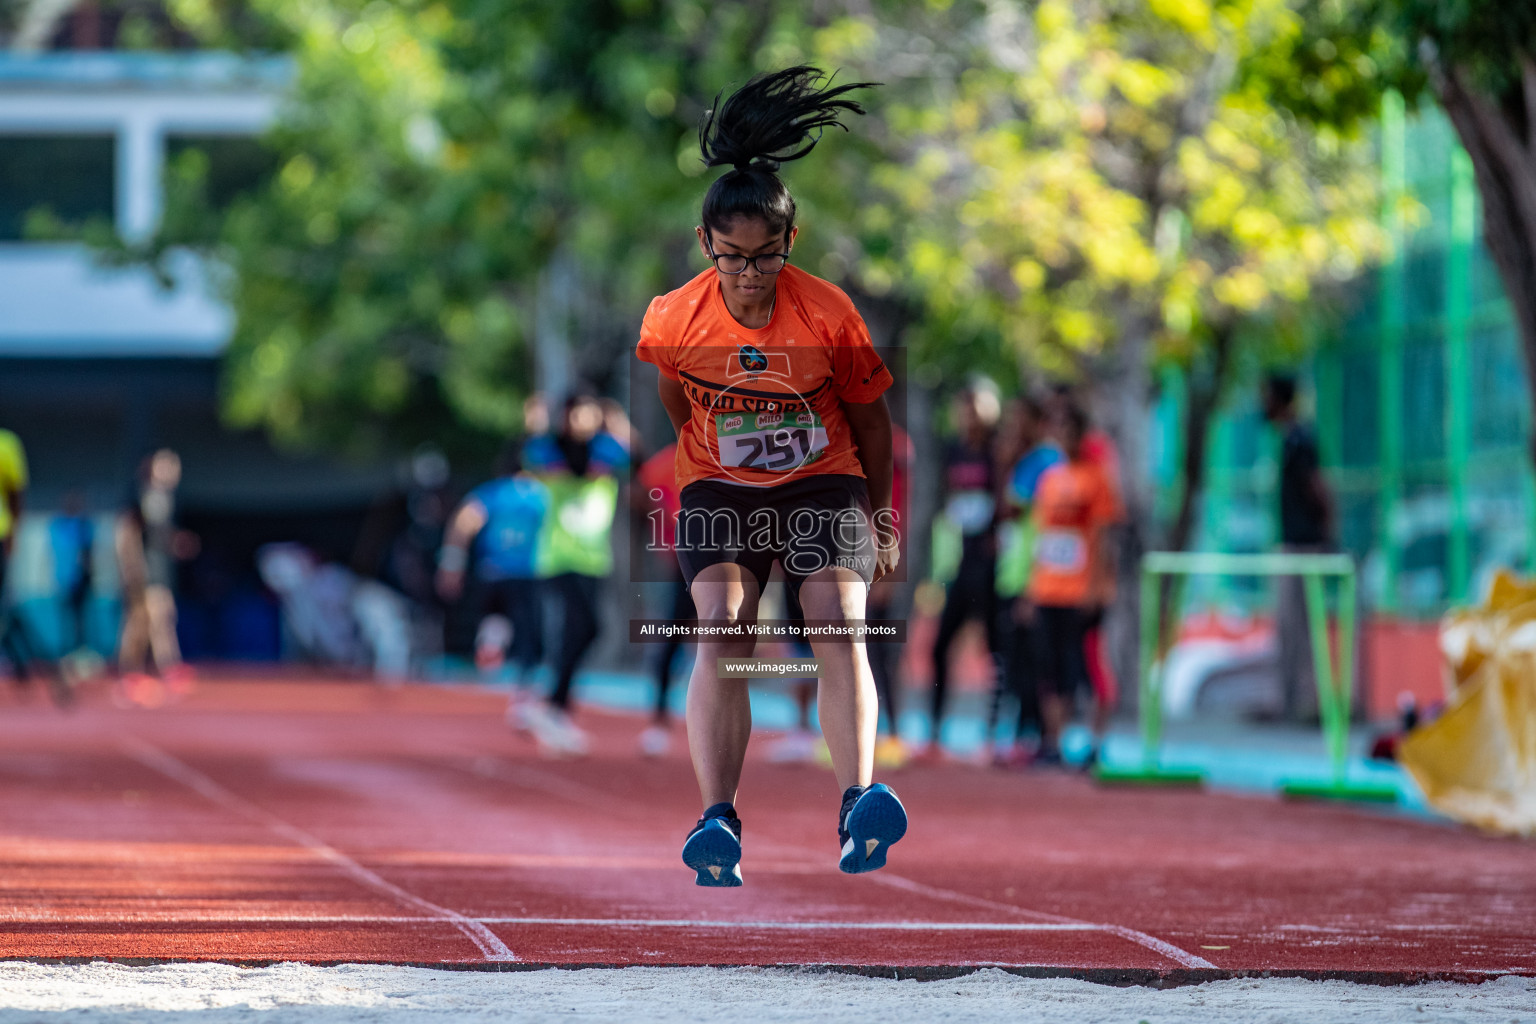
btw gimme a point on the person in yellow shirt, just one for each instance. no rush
(13, 486)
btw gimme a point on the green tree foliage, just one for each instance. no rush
(1109, 184)
(435, 158)
(1480, 59)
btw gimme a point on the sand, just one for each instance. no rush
(220, 994)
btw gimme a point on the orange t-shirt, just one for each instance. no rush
(658, 476)
(766, 403)
(1072, 502)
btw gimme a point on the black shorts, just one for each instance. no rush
(1061, 663)
(807, 524)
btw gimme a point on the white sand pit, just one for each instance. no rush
(220, 994)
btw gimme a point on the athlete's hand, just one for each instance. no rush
(1023, 610)
(887, 553)
(450, 584)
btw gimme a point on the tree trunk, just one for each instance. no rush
(1121, 394)
(1505, 169)
(1204, 394)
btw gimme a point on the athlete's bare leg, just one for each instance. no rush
(719, 711)
(160, 606)
(846, 701)
(133, 646)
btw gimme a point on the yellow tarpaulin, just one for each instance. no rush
(1477, 761)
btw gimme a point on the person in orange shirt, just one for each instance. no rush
(783, 454)
(1072, 578)
(1098, 447)
(659, 505)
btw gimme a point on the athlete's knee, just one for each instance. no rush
(725, 601)
(833, 595)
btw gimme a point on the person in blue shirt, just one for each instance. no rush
(581, 462)
(1026, 452)
(72, 536)
(498, 529)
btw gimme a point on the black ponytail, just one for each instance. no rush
(772, 119)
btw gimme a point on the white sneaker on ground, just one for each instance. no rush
(556, 734)
(796, 747)
(656, 741)
(521, 708)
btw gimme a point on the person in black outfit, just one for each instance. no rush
(970, 502)
(1306, 526)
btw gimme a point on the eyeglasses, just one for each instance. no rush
(735, 263)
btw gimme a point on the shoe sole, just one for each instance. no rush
(715, 853)
(876, 822)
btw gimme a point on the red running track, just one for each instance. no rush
(331, 822)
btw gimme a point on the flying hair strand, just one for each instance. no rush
(774, 118)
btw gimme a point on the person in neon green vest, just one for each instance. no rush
(1026, 452)
(580, 463)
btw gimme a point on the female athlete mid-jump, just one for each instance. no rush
(784, 453)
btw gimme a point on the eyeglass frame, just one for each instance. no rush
(751, 260)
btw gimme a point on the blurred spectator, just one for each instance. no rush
(800, 745)
(1072, 578)
(490, 559)
(969, 500)
(1098, 447)
(535, 415)
(580, 463)
(1306, 526)
(15, 639)
(658, 502)
(1026, 453)
(148, 547)
(889, 599)
(334, 617)
(72, 535)
(427, 503)
(399, 540)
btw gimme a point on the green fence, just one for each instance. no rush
(1420, 403)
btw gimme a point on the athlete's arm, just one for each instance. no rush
(1105, 542)
(675, 400)
(454, 556)
(870, 424)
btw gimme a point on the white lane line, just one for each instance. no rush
(807, 926)
(547, 782)
(1179, 956)
(571, 922)
(1175, 953)
(492, 767)
(896, 881)
(153, 757)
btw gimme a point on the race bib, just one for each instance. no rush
(1061, 551)
(777, 442)
(970, 510)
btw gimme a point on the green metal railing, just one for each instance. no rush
(1334, 673)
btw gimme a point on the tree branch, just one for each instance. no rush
(1528, 86)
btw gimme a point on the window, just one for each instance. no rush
(71, 176)
(235, 164)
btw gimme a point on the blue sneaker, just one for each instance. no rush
(872, 819)
(713, 848)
